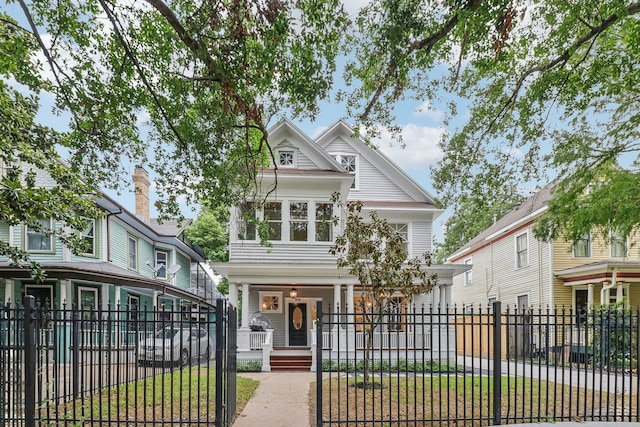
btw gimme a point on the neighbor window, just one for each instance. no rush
(89, 237)
(613, 294)
(43, 295)
(133, 253)
(88, 304)
(522, 250)
(161, 264)
(246, 221)
(298, 221)
(273, 215)
(286, 158)
(618, 245)
(522, 302)
(582, 246)
(40, 241)
(324, 225)
(350, 163)
(133, 313)
(468, 274)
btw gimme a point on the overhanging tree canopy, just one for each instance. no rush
(553, 86)
(184, 87)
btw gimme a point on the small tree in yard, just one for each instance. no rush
(373, 251)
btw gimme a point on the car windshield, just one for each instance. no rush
(167, 333)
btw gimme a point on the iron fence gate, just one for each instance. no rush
(123, 365)
(430, 366)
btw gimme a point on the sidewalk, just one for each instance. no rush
(281, 399)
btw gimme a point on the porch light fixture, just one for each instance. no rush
(293, 293)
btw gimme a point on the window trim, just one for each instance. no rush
(526, 251)
(323, 221)
(279, 301)
(525, 294)
(407, 232)
(304, 220)
(158, 275)
(246, 230)
(338, 158)
(93, 238)
(294, 158)
(468, 274)
(87, 322)
(617, 238)
(269, 221)
(132, 239)
(588, 246)
(51, 240)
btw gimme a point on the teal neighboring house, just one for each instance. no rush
(135, 265)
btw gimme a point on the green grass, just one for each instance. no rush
(187, 394)
(449, 399)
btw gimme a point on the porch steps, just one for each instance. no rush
(291, 359)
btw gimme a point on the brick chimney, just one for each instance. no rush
(141, 181)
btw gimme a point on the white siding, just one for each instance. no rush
(494, 274)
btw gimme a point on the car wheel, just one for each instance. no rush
(184, 357)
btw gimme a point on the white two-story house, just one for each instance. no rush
(283, 280)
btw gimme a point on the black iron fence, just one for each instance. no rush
(430, 366)
(124, 365)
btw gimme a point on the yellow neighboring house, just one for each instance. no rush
(511, 265)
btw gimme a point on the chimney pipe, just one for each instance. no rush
(141, 181)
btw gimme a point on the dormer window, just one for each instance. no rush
(350, 163)
(286, 158)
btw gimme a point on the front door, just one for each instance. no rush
(298, 324)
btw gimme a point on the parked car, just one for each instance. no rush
(177, 345)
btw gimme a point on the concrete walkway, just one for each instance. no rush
(281, 399)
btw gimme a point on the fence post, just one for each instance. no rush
(221, 313)
(319, 347)
(497, 363)
(29, 303)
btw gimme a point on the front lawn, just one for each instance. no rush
(422, 399)
(186, 395)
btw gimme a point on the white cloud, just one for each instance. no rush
(426, 110)
(318, 131)
(421, 146)
(352, 7)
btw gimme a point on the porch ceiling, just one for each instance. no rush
(100, 272)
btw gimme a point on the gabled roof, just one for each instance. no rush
(157, 235)
(306, 145)
(521, 214)
(376, 158)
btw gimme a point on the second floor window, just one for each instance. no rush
(298, 223)
(246, 221)
(403, 231)
(133, 253)
(89, 237)
(39, 240)
(273, 216)
(161, 264)
(324, 226)
(618, 245)
(522, 246)
(582, 246)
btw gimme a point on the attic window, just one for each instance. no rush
(350, 163)
(286, 159)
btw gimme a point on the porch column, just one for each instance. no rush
(436, 297)
(245, 305)
(9, 291)
(65, 294)
(350, 305)
(337, 295)
(233, 294)
(590, 296)
(619, 293)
